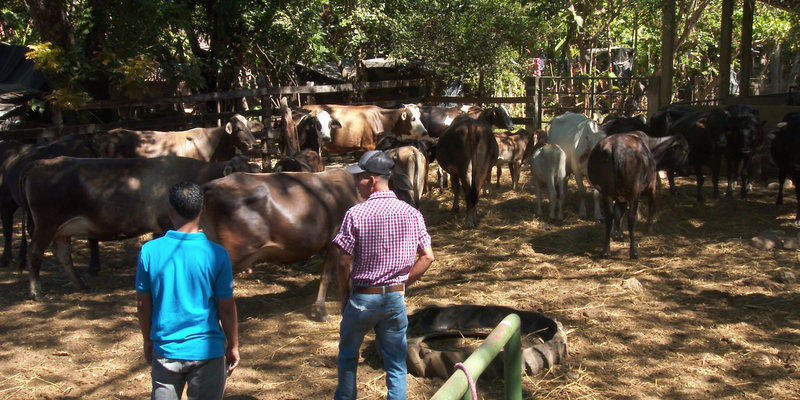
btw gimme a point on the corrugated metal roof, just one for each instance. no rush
(19, 79)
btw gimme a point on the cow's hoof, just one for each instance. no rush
(323, 317)
(606, 254)
(797, 222)
(634, 256)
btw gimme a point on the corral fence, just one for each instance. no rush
(544, 97)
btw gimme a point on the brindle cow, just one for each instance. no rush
(280, 218)
(205, 144)
(622, 168)
(361, 125)
(467, 150)
(105, 199)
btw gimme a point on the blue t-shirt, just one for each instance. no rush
(185, 274)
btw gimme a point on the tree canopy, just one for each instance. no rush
(99, 49)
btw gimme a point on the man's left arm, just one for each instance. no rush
(230, 325)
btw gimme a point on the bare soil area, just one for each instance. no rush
(711, 320)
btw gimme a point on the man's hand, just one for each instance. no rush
(148, 351)
(231, 359)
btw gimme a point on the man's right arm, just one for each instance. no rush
(421, 265)
(343, 268)
(144, 306)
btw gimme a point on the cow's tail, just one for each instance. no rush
(418, 173)
(474, 140)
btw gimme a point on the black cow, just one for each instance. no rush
(785, 151)
(621, 167)
(663, 118)
(615, 124)
(745, 135)
(705, 133)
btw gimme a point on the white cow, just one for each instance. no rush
(576, 134)
(549, 167)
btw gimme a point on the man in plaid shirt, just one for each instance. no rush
(378, 242)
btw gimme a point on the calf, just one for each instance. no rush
(104, 199)
(785, 152)
(513, 150)
(549, 167)
(307, 160)
(467, 150)
(576, 135)
(745, 136)
(622, 168)
(409, 161)
(663, 118)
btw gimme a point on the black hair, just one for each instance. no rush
(186, 198)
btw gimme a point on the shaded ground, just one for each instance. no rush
(711, 321)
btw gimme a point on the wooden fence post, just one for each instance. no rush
(532, 111)
(266, 142)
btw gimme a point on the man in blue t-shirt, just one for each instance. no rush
(184, 290)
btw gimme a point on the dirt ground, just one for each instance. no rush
(712, 319)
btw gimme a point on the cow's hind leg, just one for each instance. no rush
(700, 181)
(39, 242)
(778, 201)
(94, 257)
(634, 206)
(23, 242)
(318, 311)
(797, 193)
(7, 214)
(64, 255)
(608, 205)
(456, 185)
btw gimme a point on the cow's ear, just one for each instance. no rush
(228, 170)
(229, 128)
(335, 124)
(404, 115)
(702, 123)
(255, 126)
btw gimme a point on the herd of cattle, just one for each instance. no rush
(115, 185)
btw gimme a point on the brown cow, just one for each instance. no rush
(514, 150)
(104, 199)
(622, 168)
(408, 160)
(205, 144)
(361, 125)
(280, 218)
(467, 150)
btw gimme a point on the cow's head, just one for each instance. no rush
(324, 125)
(715, 123)
(240, 131)
(743, 129)
(677, 156)
(411, 123)
(503, 118)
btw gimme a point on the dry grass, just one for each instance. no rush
(710, 322)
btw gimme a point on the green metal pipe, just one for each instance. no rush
(506, 334)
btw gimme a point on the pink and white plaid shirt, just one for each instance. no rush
(383, 234)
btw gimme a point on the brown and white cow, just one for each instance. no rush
(467, 150)
(10, 189)
(361, 125)
(514, 149)
(280, 218)
(104, 199)
(408, 160)
(205, 144)
(622, 168)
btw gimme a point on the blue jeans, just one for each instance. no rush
(387, 314)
